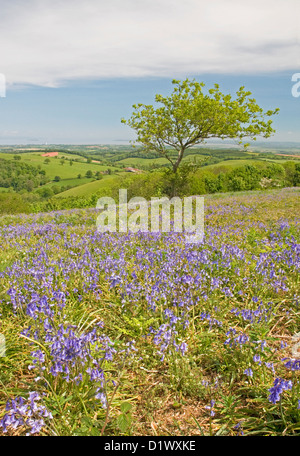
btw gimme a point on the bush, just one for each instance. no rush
(12, 203)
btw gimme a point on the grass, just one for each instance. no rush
(136, 161)
(235, 163)
(84, 187)
(89, 188)
(55, 168)
(74, 182)
(201, 316)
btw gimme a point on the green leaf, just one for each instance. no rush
(125, 407)
(123, 422)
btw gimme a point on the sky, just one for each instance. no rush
(73, 69)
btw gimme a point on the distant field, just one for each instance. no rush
(281, 160)
(87, 186)
(55, 168)
(74, 182)
(237, 163)
(286, 155)
(135, 161)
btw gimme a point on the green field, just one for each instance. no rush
(89, 188)
(136, 161)
(116, 159)
(236, 163)
(55, 168)
(74, 182)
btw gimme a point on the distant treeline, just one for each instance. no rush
(21, 176)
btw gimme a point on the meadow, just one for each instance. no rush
(144, 334)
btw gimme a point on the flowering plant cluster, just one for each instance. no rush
(28, 414)
(222, 311)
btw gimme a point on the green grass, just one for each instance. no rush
(136, 161)
(54, 167)
(73, 182)
(89, 188)
(86, 187)
(235, 163)
(242, 280)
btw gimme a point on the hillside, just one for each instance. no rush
(147, 334)
(85, 171)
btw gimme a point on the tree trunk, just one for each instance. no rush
(178, 161)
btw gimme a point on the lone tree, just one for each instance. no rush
(188, 117)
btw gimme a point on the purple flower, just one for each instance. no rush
(279, 386)
(28, 413)
(210, 408)
(248, 372)
(292, 364)
(256, 359)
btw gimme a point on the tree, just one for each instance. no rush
(89, 174)
(188, 117)
(57, 178)
(29, 185)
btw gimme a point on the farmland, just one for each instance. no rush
(144, 334)
(88, 171)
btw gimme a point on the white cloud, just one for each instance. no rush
(47, 42)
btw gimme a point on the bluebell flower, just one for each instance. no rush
(279, 386)
(248, 372)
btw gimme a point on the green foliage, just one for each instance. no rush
(12, 203)
(45, 192)
(189, 180)
(19, 176)
(124, 419)
(188, 117)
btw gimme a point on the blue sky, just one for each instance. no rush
(73, 69)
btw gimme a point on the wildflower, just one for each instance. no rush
(210, 408)
(279, 386)
(270, 366)
(248, 372)
(256, 359)
(101, 395)
(238, 428)
(292, 364)
(28, 413)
